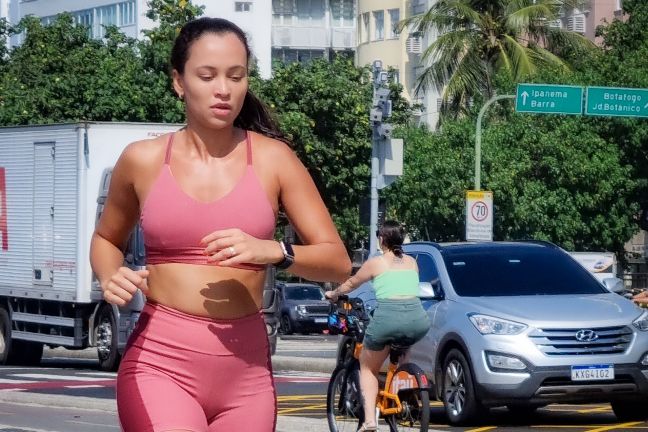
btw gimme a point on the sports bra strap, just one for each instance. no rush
(249, 147)
(167, 158)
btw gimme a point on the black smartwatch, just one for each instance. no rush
(289, 256)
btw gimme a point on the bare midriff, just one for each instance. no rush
(206, 290)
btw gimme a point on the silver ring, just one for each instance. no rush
(231, 251)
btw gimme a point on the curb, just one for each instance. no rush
(303, 364)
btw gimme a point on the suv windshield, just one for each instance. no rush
(516, 270)
(304, 293)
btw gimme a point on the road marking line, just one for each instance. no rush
(24, 429)
(91, 424)
(617, 426)
(84, 386)
(13, 381)
(299, 397)
(565, 426)
(305, 408)
(99, 374)
(593, 410)
(58, 377)
(51, 384)
(485, 428)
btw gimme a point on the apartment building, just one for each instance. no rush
(589, 14)
(379, 39)
(306, 29)
(253, 16)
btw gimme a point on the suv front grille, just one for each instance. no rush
(313, 309)
(562, 342)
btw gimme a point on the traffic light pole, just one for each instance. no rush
(381, 110)
(373, 206)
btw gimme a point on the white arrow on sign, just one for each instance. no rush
(525, 95)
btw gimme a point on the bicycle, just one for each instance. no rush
(404, 398)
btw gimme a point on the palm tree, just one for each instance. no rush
(481, 38)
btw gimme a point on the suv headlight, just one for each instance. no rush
(641, 323)
(301, 309)
(490, 325)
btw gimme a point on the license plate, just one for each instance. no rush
(592, 372)
(321, 320)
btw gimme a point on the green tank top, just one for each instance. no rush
(396, 283)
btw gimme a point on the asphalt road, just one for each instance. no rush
(74, 376)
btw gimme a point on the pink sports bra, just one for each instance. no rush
(173, 222)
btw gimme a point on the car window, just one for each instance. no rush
(427, 268)
(518, 271)
(304, 293)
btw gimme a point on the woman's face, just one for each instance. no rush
(215, 81)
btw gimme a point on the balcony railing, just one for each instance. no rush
(313, 37)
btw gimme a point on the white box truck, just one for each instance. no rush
(53, 182)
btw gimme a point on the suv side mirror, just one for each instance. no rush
(270, 300)
(430, 290)
(614, 284)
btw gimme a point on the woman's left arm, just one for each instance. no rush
(322, 257)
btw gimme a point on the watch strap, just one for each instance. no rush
(289, 256)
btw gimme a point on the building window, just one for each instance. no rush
(365, 27)
(418, 7)
(394, 18)
(283, 12)
(242, 6)
(342, 12)
(379, 25)
(106, 16)
(86, 18)
(310, 12)
(288, 55)
(127, 13)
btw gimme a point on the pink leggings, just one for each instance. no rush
(196, 374)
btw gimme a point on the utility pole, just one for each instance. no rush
(380, 140)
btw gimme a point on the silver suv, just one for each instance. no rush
(522, 324)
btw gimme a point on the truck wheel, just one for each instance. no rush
(106, 336)
(5, 336)
(629, 410)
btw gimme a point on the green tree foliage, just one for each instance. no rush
(623, 62)
(481, 38)
(553, 178)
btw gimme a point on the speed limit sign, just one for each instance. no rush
(479, 216)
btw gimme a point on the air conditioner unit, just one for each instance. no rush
(414, 45)
(576, 23)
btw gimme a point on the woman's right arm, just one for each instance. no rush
(118, 218)
(364, 274)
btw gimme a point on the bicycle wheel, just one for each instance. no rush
(344, 409)
(412, 388)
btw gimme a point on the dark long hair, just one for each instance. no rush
(254, 114)
(393, 235)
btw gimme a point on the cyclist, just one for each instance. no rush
(398, 317)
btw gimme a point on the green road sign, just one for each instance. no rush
(549, 99)
(615, 101)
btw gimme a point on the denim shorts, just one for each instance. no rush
(396, 321)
